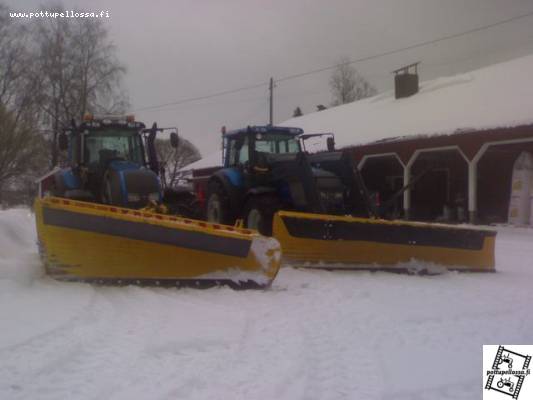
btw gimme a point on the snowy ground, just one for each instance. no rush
(314, 335)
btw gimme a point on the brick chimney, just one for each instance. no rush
(406, 81)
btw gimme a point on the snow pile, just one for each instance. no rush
(18, 258)
(266, 251)
(313, 335)
(491, 97)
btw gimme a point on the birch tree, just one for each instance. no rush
(79, 72)
(347, 85)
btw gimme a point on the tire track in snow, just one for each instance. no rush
(37, 368)
(342, 367)
(76, 315)
(314, 335)
(97, 348)
(176, 361)
(299, 343)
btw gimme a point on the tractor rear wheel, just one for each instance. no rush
(259, 213)
(218, 205)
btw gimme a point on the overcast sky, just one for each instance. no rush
(176, 49)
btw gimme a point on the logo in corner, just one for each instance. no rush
(510, 369)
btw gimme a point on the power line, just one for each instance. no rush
(414, 46)
(191, 99)
(359, 60)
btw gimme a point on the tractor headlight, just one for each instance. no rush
(134, 197)
(153, 196)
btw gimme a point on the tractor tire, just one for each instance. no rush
(218, 209)
(259, 213)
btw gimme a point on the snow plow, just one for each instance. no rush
(80, 241)
(318, 208)
(339, 241)
(105, 218)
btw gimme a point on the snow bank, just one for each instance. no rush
(18, 258)
(27, 303)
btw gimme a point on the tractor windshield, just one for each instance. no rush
(104, 145)
(276, 143)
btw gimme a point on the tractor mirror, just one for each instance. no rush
(174, 140)
(62, 141)
(330, 142)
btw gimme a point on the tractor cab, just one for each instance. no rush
(96, 143)
(253, 148)
(111, 160)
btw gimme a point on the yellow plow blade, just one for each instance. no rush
(340, 242)
(93, 242)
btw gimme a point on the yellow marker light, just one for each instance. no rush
(130, 118)
(87, 117)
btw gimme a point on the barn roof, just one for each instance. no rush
(498, 96)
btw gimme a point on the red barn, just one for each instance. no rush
(455, 141)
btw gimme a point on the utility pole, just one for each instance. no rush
(271, 88)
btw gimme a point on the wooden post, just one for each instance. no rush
(407, 192)
(472, 191)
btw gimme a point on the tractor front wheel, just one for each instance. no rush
(259, 213)
(218, 206)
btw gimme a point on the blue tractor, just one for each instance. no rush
(111, 160)
(266, 169)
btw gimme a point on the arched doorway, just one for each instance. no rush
(383, 177)
(494, 173)
(440, 190)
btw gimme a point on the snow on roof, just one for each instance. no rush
(212, 160)
(492, 97)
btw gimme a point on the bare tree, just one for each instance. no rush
(18, 81)
(79, 72)
(50, 72)
(347, 85)
(20, 144)
(173, 159)
(297, 112)
(20, 149)
(96, 70)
